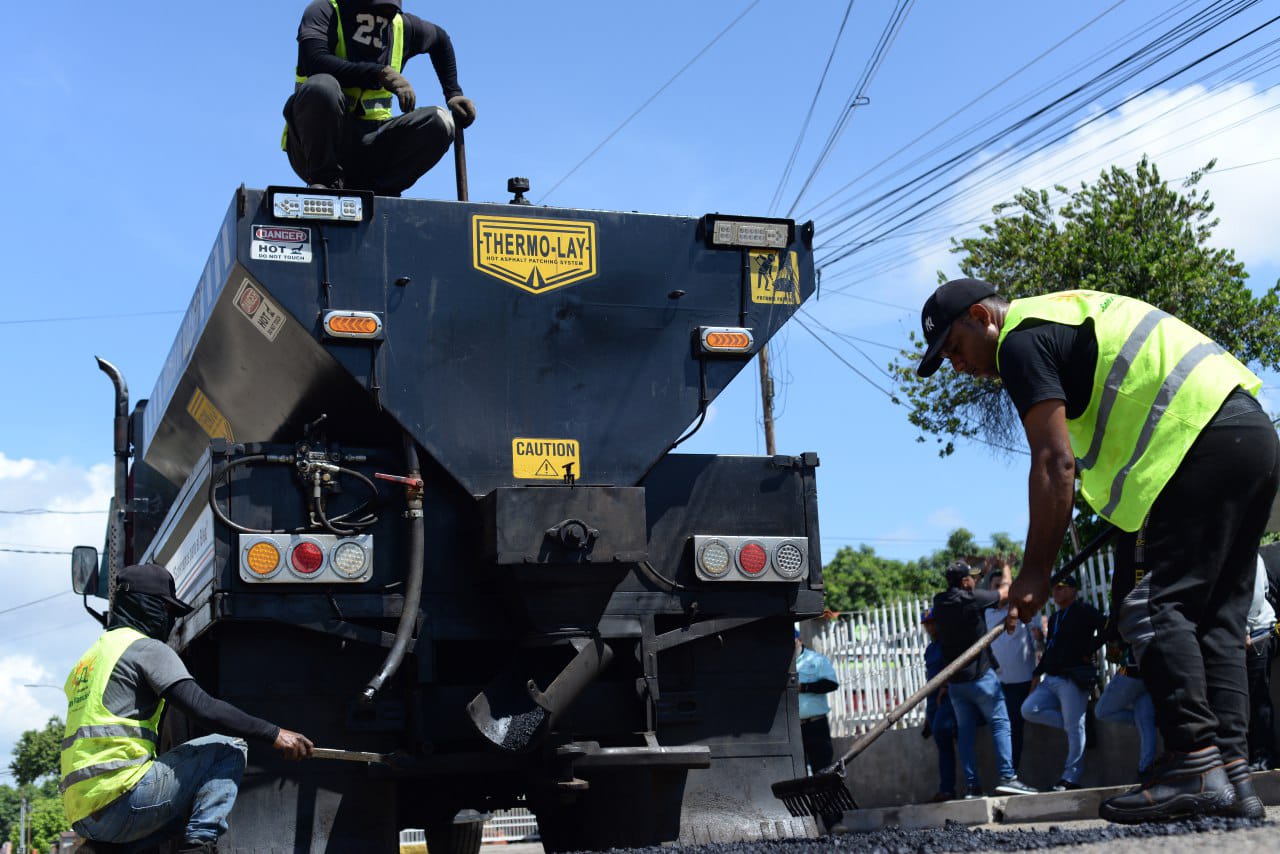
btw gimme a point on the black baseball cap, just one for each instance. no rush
(958, 570)
(941, 309)
(1069, 581)
(154, 580)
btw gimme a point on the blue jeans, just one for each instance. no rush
(1126, 701)
(944, 737)
(981, 700)
(189, 789)
(1058, 702)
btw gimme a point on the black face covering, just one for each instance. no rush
(144, 612)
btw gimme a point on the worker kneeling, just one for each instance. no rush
(115, 789)
(340, 132)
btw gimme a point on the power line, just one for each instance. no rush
(845, 361)
(87, 317)
(650, 100)
(33, 552)
(44, 511)
(35, 602)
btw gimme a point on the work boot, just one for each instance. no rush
(1248, 804)
(1065, 785)
(1181, 785)
(192, 847)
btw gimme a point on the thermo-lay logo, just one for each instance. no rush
(545, 459)
(536, 255)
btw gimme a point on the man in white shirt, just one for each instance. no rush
(1260, 651)
(1015, 660)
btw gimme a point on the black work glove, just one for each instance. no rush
(395, 82)
(463, 109)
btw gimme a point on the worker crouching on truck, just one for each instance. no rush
(115, 789)
(1162, 427)
(339, 127)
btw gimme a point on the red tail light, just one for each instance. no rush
(307, 558)
(752, 559)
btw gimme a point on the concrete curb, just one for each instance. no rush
(1020, 809)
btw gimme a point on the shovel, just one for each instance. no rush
(355, 756)
(826, 792)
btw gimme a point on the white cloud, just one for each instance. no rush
(947, 518)
(40, 640)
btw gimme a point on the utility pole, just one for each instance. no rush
(22, 822)
(766, 400)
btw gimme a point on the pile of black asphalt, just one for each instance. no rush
(957, 837)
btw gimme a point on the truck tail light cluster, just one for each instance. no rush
(301, 558)
(720, 558)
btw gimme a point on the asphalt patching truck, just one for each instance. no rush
(413, 462)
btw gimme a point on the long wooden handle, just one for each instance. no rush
(460, 162)
(896, 714)
(348, 755)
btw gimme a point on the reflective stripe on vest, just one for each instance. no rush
(367, 104)
(103, 755)
(1156, 385)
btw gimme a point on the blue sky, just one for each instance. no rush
(144, 124)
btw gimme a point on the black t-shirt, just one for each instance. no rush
(1040, 360)
(961, 623)
(368, 40)
(1074, 636)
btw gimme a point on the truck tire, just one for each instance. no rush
(462, 835)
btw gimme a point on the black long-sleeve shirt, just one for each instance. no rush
(1074, 635)
(368, 42)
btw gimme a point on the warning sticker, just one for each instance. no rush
(209, 418)
(288, 243)
(775, 278)
(535, 255)
(545, 459)
(265, 315)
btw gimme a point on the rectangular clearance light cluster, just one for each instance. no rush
(348, 206)
(721, 558)
(749, 232)
(305, 558)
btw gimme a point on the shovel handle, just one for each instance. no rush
(896, 714)
(460, 162)
(349, 755)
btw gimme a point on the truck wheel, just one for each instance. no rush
(460, 836)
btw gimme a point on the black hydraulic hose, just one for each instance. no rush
(413, 585)
(215, 481)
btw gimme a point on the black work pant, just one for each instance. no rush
(816, 735)
(1194, 561)
(1262, 721)
(328, 145)
(1015, 694)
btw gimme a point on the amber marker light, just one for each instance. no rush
(262, 558)
(727, 340)
(352, 324)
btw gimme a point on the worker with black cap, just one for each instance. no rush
(1162, 427)
(115, 789)
(339, 128)
(976, 696)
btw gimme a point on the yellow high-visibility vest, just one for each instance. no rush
(103, 755)
(368, 104)
(1157, 384)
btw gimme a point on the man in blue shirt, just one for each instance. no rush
(817, 678)
(939, 717)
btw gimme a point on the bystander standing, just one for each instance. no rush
(939, 716)
(1260, 652)
(1015, 655)
(817, 678)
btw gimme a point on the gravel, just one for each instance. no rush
(957, 837)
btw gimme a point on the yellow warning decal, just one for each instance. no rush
(545, 459)
(775, 278)
(535, 255)
(209, 418)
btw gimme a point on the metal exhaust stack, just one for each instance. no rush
(120, 498)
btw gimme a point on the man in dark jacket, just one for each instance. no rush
(115, 788)
(974, 689)
(340, 131)
(1067, 675)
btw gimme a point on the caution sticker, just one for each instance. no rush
(545, 459)
(266, 316)
(775, 278)
(288, 243)
(208, 417)
(535, 255)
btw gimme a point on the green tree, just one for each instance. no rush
(45, 819)
(858, 579)
(10, 805)
(1127, 233)
(38, 752)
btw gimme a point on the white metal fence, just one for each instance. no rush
(513, 825)
(879, 654)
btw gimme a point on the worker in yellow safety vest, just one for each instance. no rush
(339, 129)
(115, 789)
(1162, 427)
